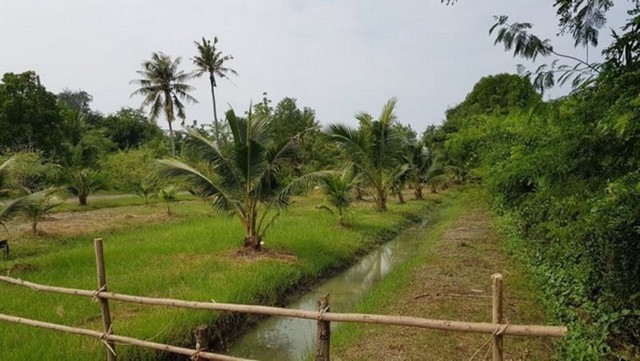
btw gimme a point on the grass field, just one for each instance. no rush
(191, 255)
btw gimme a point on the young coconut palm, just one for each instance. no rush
(245, 182)
(38, 205)
(146, 189)
(5, 169)
(163, 85)
(375, 147)
(418, 160)
(81, 183)
(14, 207)
(338, 191)
(169, 194)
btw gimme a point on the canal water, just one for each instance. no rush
(290, 339)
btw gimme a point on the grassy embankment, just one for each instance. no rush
(448, 278)
(192, 256)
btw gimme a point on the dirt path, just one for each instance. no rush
(453, 282)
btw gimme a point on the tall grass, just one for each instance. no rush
(194, 258)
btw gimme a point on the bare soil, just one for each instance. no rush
(454, 283)
(76, 223)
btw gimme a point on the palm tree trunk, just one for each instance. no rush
(418, 192)
(252, 239)
(381, 202)
(82, 200)
(173, 144)
(212, 80)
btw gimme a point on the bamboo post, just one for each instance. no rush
(104, 303)
(201, 334)
(323, 341)
(497, 317)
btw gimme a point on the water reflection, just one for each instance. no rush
(292, 339)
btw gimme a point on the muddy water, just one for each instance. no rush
(285, 339)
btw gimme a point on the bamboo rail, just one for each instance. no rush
(473, 327)
(105, 337)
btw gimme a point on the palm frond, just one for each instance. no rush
(13, 208)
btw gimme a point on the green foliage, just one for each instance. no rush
(30, 172)
(164, 87)
(337, 189)
(146, 189)
(169, 194)
(82, 182)
(291, 122)
(38, 205)
(374, 147)
(567, 172)
(126, 170)
(29, 115)
(13, 207)
(78, 101)
(244, 180)
(421, 167)
(211, 61)
(129, 128)
(5, 172)
(493, 95)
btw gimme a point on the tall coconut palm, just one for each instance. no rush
(375, 147)
(211, 61)
(163, 86)
(241, 178)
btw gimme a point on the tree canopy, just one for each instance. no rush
(29, 115)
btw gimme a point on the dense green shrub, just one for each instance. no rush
(568, 173)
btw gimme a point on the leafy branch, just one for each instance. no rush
(516, 37)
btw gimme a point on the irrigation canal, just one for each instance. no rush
(289, 339)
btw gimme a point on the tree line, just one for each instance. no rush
(249, 164)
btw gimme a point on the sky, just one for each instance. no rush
(337, 57)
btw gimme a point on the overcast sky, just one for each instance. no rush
(337, 57)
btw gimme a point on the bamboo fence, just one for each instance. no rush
(497, 328)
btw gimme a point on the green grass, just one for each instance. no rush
(192, 258)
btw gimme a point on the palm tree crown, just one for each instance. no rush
(164, 87)
(374, 147)
(243, 179)
(211, 61)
